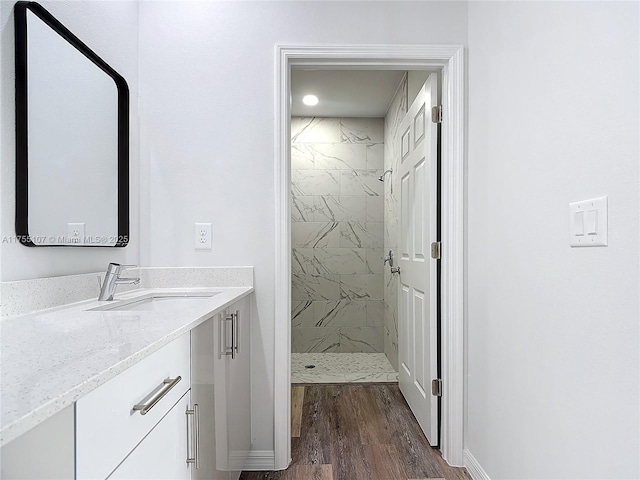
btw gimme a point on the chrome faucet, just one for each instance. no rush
(112, 279)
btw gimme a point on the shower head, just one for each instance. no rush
(381, 177)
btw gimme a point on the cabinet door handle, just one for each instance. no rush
(234, 334)
(195, 436)
(223, 348)
(166, 386)
(236, 337)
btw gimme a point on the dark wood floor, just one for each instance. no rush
(357, 432)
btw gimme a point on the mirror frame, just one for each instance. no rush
(22, 134)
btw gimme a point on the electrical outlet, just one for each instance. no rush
(75, 233)
(202, 236)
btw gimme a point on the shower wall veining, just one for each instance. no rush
(395, 114)
(337, 235)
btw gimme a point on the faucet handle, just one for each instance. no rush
(388, 258)
(116, 268)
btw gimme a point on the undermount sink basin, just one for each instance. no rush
(160, 303)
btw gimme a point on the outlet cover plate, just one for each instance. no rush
(75, 233)
(202, 237)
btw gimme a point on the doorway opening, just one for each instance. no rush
(449, 60)
(364, 184)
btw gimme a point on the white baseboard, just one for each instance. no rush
(260, 460)
(473, 467)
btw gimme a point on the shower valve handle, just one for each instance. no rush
(389, 259)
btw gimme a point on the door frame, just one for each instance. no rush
(450, 58)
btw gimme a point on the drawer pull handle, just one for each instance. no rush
(195, 436)
(167, 385)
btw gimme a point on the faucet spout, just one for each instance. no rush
(112, 279)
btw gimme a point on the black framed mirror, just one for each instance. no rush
(72, 138)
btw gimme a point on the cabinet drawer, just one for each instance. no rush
(108, 427)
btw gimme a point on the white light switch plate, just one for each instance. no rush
(588, 223)
(202, 238)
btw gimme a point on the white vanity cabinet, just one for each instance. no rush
(221, 386)
(181, 413)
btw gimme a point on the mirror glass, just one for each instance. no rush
(72, 138)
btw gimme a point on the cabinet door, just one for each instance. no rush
(221, 386)
(45, 452)
(207, 369)
(238, 394)
(162, 454)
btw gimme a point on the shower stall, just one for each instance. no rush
(344, 223)
(342, 329)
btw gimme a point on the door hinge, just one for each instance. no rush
(436, 114)
(436, 247)
(436, 387)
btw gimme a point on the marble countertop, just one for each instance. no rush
(51, 358)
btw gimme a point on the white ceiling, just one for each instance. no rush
(344, 93)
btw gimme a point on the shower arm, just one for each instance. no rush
(381, 177)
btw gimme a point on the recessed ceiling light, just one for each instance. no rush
(310, 100)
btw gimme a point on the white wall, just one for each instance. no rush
(207, 110)
(552, 331)
(111, 30)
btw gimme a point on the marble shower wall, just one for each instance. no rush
(396, 112)
(337, 235)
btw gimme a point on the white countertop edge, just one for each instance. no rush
(48, 409)
(141, 292)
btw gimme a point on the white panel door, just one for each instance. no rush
(418, 278)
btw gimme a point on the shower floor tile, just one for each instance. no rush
(342, 368)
